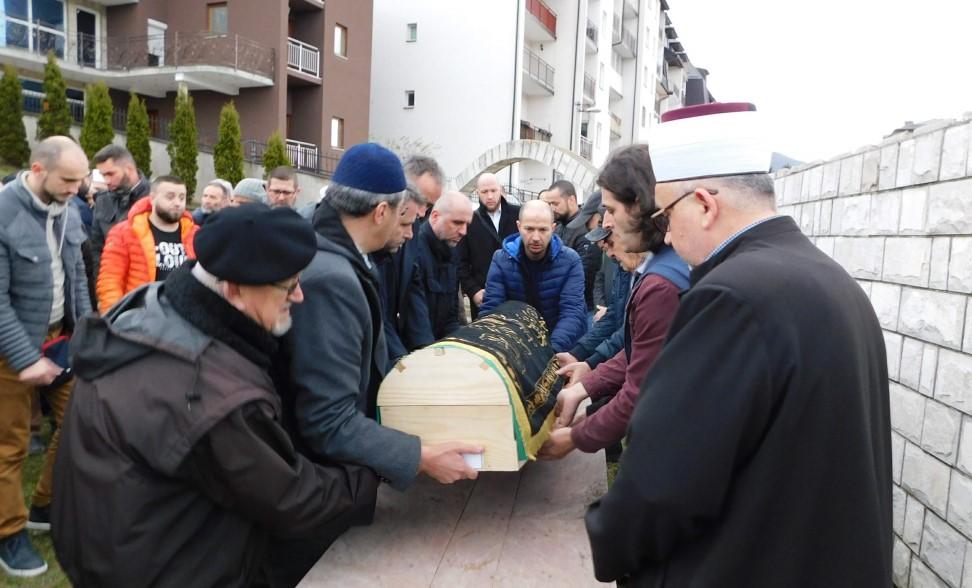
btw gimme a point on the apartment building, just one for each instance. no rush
(463, 77)
(297, 66)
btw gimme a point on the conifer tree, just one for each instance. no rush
(137, 134)
(96, 131)
(55, 118)
(228, 151)
(183, 145)
(275, 155)
(14, 150)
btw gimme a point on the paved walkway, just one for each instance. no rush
(521, 528)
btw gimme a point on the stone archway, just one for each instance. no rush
(574, 168)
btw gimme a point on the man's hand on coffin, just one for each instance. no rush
(444, 462)
(564, 359)
(567, 402)
(574, 372)
(557, 445)
(478, 297)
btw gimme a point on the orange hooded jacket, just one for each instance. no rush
(128, 260)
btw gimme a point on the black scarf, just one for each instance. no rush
(211, 314)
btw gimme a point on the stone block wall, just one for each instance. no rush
(898, 217)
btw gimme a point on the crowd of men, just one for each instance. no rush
(216, 417)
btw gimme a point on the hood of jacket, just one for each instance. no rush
(141, 323)
(667, 264)
(511, 245)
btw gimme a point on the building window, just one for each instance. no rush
(35, 25)
(644, 116)
(597, 137)
(340, 40)
(600, 75)
(644, 79)
(411, 32)
(409, 98)
(218, 18)
(337, 133)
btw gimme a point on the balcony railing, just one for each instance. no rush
(173, 49)
(615, 125)
(303, 57)
(590, 87)
(547, 17)
(592, 32)
(628, 43)
(538, 69)
(530, 132)
(34, 104)
(305, 157)
(586, 148)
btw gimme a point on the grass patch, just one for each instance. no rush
(54, 577)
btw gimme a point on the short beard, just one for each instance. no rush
(281, 327)
(167, 216)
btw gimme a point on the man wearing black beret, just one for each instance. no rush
(174, 468)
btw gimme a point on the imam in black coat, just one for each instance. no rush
(759, 451)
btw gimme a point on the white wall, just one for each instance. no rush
(898, 217)
(461, 68)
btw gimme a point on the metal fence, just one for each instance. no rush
(305, 157)
(538, 69)
(303, 57)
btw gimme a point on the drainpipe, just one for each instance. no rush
(573, 91)
(517, 49)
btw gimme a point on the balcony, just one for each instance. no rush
(305, 5)
(614, 93)
(532, 133)
(538, 75)
(628, 47)
(148, 64)
(586, 148)
(616, 30)
(303, 58)
(590, 87)
(630, 9)
(305, 157)
(591, 37)
(615, 126)
(543, 25)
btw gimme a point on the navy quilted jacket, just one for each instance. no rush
(561, 289)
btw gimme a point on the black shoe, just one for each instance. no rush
(39, 518)
(36, 446)
(19, 558)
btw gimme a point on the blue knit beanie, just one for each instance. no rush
(372, 168)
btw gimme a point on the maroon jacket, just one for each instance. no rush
(649, 312)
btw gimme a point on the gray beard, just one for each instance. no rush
(281, 327)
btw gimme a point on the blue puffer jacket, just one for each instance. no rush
(560, 289)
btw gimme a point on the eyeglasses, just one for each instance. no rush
(289, 289)
(280, 192)
(661, 218)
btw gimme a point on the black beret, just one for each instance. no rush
(254, 244)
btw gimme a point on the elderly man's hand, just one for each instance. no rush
(40, 373)
(564, 359)
(478, 297)
(558, 445)
(444, 462)
(601, 311)
(574, 372)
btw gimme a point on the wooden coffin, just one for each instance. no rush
(492, 383)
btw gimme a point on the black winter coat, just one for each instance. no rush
(173, 468)
(481, 241)
(438, 267)
(759, 452)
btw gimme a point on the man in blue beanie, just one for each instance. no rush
(335, 356)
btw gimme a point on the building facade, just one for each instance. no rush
(588, 76)
(294, 66)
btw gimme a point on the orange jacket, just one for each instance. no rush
(128, 260)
